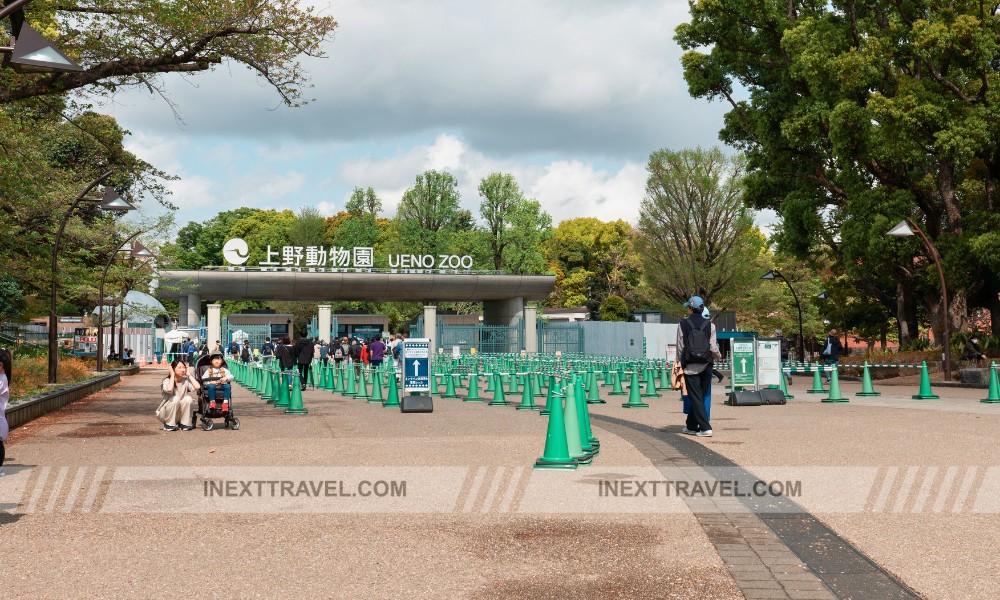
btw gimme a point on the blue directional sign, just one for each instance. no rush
(416, 365)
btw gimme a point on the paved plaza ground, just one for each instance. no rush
(896, 498)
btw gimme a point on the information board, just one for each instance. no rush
(744, 370)
(671, 353)
(769, 362)
(416, 365)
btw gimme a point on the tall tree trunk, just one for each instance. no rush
(906, 314)
(958, 313)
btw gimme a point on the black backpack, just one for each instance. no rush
(245, 353)
(697, 343)
(397, 350)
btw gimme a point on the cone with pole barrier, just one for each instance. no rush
(587, 441)
(392, 397)
(784, 388)
(363, 393)
(528, 396)
(817, 387)
(266, 391)
(550, 395)
(295, 402)
(473, 395)
(498, 395)
(573, 440)
(449, 388)
(593, 392)
(835, 397)
(556, 453)
(283, 400)
(867, 390)
(616, 385)
(634, 399)
(925, 392)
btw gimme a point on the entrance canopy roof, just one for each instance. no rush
(386, 287)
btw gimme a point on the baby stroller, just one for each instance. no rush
(205, 408)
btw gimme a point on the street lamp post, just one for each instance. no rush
(32, 53)
(906, 228)
(111, 202)
(137, 251)
(770, 276)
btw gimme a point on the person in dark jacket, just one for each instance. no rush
(354, 353)
(972, 350)
(832, 351)
(304, 350)
(285, 357)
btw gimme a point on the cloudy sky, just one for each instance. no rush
(570, 96)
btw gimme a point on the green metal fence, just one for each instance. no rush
(567, 338)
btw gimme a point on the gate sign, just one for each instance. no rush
(416, 365)
(769, 362)
(744, 370)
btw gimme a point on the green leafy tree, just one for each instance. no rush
(614, 308)
(696, 235)
(307, 229)
(364, 201)
(199, 244)
(136, 43)
(432, 202)
(517, 227)
(12, 304)
(850, 114)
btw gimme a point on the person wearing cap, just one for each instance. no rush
(215, 375)
(697, 359)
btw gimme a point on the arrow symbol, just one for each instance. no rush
(416, 369)
(743, 363)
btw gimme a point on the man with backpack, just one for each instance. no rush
(354, 353)
(697, 349)
(266, 352)
(832, 351)
(234, 350)
(303, 351)
(245, 352)
(338, 349)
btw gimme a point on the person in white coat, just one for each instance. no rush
(5, 378)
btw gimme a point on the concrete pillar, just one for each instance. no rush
(194, 310)
(323, 329)
(214, 326)
(531, 328)
(431, 326)
(182, 311)
(503, 312)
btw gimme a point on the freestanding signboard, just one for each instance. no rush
(416, 365)
(769, 362)
(744, 369)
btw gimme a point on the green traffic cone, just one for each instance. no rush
(616, 385)
(295, 403)
(312, 375)
(925, 392)
(392, 398)
(536, 385)
(650, 385)
(835, 396)
(994, 396)
(817, 387)
(593, 392)
(490, 383)
(634, 399)
(550, 395)
(265, 388)
(556, 453)
(352, 384)
(573, 439)
(473, 395)
(586, 440)
(866, 384)
(784, 387)
(376, 389)
(528, 396)
(435, 382)
(498, 397)
(363, 392)
(449, 388)
(512, 388)
(284, 400)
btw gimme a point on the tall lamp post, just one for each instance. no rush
(138, 251)
(110, 202)
(770, 276)
(906, 228)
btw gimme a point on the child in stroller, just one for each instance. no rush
(215, 397)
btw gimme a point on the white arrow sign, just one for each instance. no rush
(416, 369)
(743, 363)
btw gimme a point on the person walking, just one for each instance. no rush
(283, 353)
(266, 352)
(6, 376)
(832, 350)
(303, 352)
(697, 349)
(354, 352)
